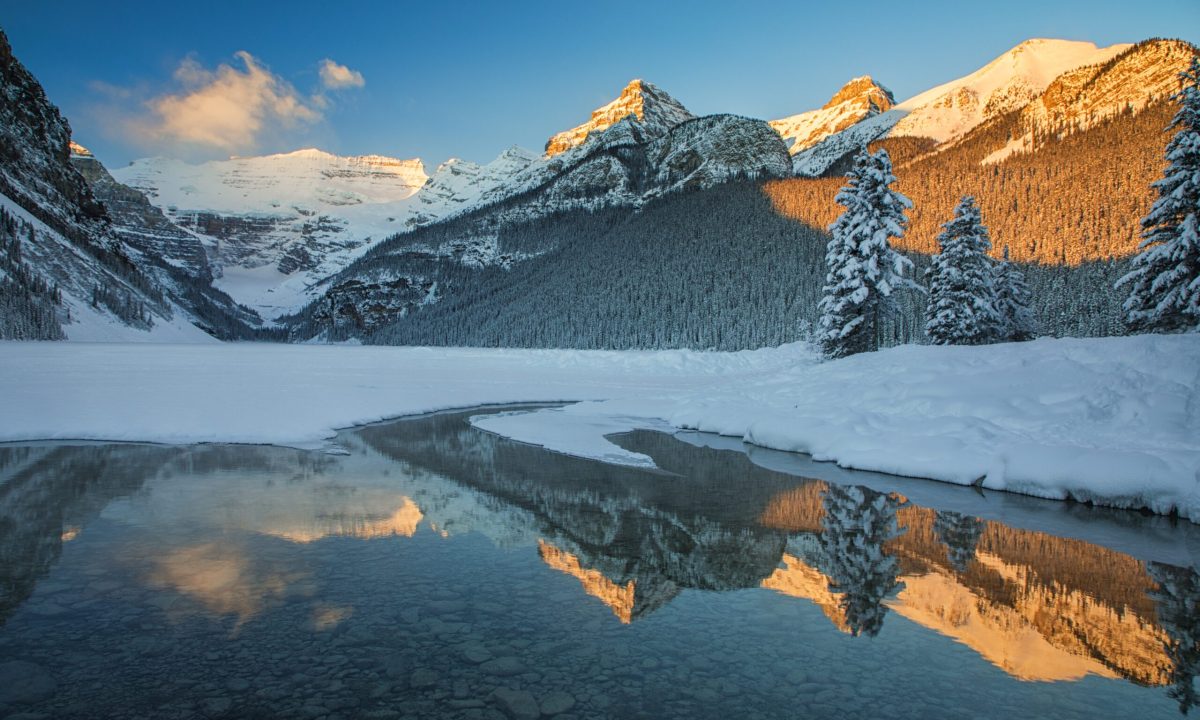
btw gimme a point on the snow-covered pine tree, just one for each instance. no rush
(1165, 281)
(863, 270)
(962, 298)
(1012, 302)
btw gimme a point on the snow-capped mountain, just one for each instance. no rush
(950, 110)
(652, 109)
(857, 100)
(306, 180)
(456, 183)
(593, 165)
(623, 166)
(1081, 98)
(276, 225)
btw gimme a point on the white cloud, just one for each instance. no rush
(337, 77)
(240, 107)
(227, 109)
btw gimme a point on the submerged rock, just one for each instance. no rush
(24, 682)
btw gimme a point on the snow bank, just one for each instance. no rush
(300, 394)
(1115, 420)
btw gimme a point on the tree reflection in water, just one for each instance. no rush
(857, 523)
(961, 534)
(1178, 604)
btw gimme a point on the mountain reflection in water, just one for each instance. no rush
(222, 518)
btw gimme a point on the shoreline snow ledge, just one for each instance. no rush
(1113, 421)
(300, 395)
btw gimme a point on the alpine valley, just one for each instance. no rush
(645, 226)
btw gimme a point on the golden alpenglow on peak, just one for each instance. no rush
(864, 93)
(857, 100)
(651, 107)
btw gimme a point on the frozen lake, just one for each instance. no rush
(435, 570)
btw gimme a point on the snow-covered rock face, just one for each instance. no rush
(711, 150)
(276, 225)
(141, 225)
(950, 110)
(1005, 84)
(626, 164)
(1079, 99)
(457, 183)
(311, 179)
(653, 109)
(34, 150)
(858, 100)
(104, 288)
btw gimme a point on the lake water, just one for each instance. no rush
(438, 571)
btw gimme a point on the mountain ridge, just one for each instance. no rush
(950, 110)
(651, 108)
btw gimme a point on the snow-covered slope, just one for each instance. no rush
(617, 168)
(856, 101)
(139, 223)
(952, 109)
(305, 179)
(274, 226)
(1079, 99)
(1006, 83)
(654, 111)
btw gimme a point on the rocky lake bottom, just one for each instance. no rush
(435, 570)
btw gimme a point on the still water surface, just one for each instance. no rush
(439, 571)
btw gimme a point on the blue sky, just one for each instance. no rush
(466, 79)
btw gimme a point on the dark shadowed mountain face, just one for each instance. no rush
(34, 153)
(83, 250)
(141, 225)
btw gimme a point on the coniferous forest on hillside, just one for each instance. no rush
(1078, 198)
(719, 269)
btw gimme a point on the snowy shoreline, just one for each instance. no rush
(1114, 421)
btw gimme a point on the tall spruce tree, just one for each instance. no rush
(1165, 281)
(863, 270)
(962, 298)
(1013, 302)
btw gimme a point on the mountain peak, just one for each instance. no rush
(863, 93)
(651, 107)
(860, 98)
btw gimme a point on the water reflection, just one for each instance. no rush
(1178, 599)
(246, 536)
